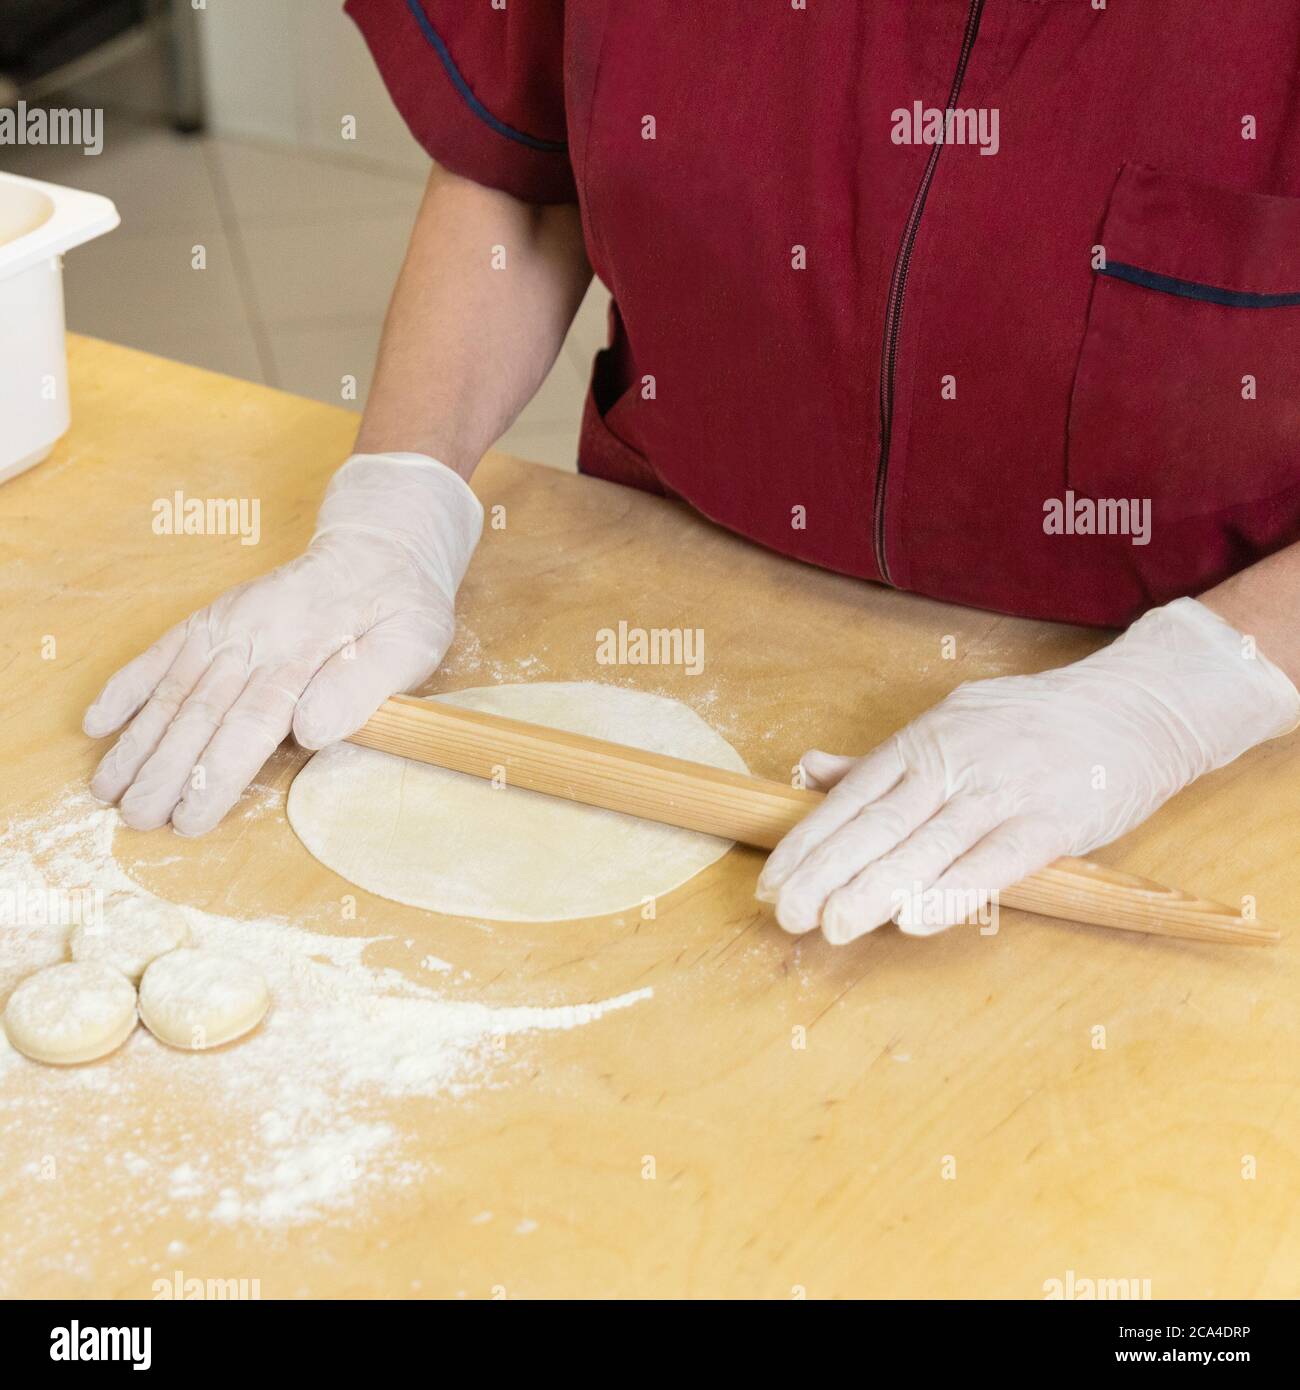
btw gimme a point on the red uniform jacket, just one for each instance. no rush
(943, 364)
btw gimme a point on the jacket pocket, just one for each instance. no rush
(1187, 390)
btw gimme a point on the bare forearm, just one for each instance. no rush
(1264, 601)
(482, 304)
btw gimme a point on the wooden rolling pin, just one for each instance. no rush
(752, 810)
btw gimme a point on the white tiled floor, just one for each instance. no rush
(301, 253)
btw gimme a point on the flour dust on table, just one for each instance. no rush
(460, 845)
(304, 1119)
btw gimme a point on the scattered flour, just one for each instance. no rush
(294, 1123)
(469, 657)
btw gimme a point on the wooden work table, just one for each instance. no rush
(950, 1127)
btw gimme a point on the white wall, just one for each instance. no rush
(282, 71)
(288, 71)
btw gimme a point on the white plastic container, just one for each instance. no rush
(38, 223)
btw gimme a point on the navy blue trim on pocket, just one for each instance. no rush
(475, 105)
(1190, 289)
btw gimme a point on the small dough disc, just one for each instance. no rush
(74, 1012)
(452, 843)
(196, 999)
(133, 933)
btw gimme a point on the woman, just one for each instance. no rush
(994, 301)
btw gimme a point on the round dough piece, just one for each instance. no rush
(456, 844)
(74, 1012)
(196, 999)
(133, 933)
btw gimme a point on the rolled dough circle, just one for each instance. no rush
(196, 999)
(456, 844)
(74, 1012)
(132, 934)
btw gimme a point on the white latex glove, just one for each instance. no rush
(316, 645)
(1006, 775)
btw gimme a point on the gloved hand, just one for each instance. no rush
(316, 645)
(1006, 775)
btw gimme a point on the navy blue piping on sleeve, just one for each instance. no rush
(1190, 289)
(475, 105)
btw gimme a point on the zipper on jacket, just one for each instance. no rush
(898, 287)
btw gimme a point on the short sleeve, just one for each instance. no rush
(481, 87)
